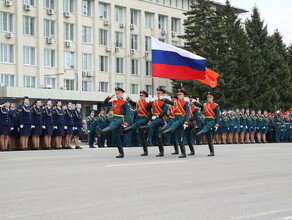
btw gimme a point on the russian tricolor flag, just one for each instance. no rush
(175, 63)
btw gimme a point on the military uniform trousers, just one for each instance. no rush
(209, 124)
(177, 127)
(155, 125)
(91, 136)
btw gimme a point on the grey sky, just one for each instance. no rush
(276, 14)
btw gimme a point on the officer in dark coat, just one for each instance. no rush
(59, 124)
(14, 124)
(48, 124)
(25, 122)
(37, 123)
(69, 124)
(101, 123)
(78, 128)
(5, 126)
(91, 122)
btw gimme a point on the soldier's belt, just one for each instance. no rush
(209, 117)
(142, 115)
(156, 113)
(278, 122)
(119, 115)
(179, 114)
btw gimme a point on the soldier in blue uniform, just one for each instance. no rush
(101, 123)
(59, 124)
(259, 126)
(242, 127)
(271, 130)
(265, 126)
(253, 128)
(37, 123)
(25, 121)
(159, 112)
(237, 126)
(212, 116)
(91, 122)
(5, 126)
(121, 112)
(14, 125)
(181, 121)
(78, 117)
(48, 124)
(144, 114)
(69, 124)
(231, 126)
(278, 124)
(224, 125)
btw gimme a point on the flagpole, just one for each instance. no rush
(152, 86)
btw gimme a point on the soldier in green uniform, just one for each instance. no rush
(253, 128)
(265, 126)
(91, 122)
(237, 126)
(242, 127)
(231, 125)
(101, 123)
(278, 123)
(259, 126)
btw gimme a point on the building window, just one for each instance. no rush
(103, 86)
(148, 43)
(50, 28)
(119, 14)
(175, 25)
(119, 65)
(6, 21)
(87, 86)
(134, 17)
(149, 89)
(175, 43)
(161, 39)
(69, 5)
(135, 67)
(134, 42)
(162, 22)
(28, 2)
(69, 84)
(28, 25)
(134, 88)
(149, 19)
(69, 31)
(29, 82)
(103, 37)
(49, 4)
(86, 35)
(87, 7)
(87, 61)
(50, 59)
(50, 82)
(103, 65)
(69, 60)
(119, 39)
(120, 85)
(29, 57)
(6, 53)
(148, 69)
(103, 10)
(7, 80)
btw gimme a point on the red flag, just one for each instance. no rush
(211, 78)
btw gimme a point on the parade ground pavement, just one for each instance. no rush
(250, 181)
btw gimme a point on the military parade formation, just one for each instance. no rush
(123, 122)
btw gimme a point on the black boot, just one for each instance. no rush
(199, 133)
(211, 148)
(161, 151)
(183, 151)
(192, 150)
(103, 132)
(145, 149)
(175, 149)
(142, 128)
(127, 129)
(121, 151)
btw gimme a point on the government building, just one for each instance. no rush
(80, 50)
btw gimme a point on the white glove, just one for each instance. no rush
(241, 126)
(11, 129)
(55, 127)
(153, 118)
(227, 128)
(112, 95)
(246, 127)
(21, 126)
(74, 128)
(235, 127)
(194, 100)
(161, 97)
(44, 127)
(88, 131)
(185, 126)
(32, 126)
(257, 128)
(65, 127)
(124, 126)
(264, 127)
(198, 99)
(152, 99)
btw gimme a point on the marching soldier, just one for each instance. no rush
(170, 119)
(189, 131)
(77, 129)
(121, 118)
(144, 114)
(101, 123)
(69, 124)
(181, 121)
(212, 116)
(37, 124)
(159, 112)
(91, 122)
(59, 124)
(25, 121)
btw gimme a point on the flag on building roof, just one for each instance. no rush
(171, 62)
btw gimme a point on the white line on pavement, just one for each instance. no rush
(139, 164)
(53, 157)
(262, 214)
